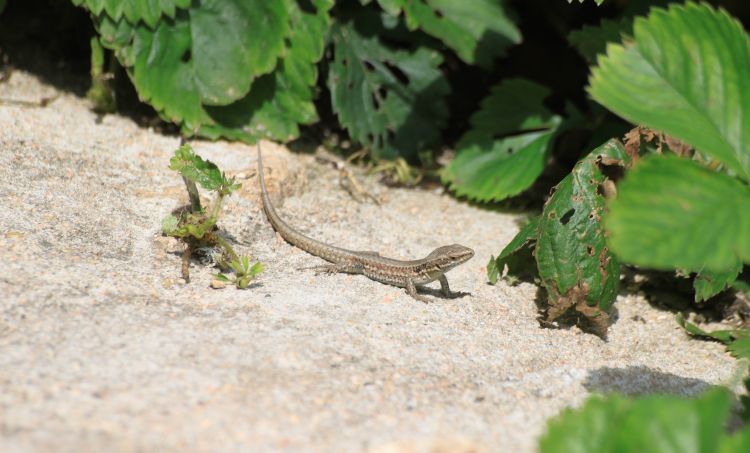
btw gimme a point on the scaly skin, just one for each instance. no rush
(404, 274)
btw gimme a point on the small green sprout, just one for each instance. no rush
(197, 226)
(399, 171)
(243, 272)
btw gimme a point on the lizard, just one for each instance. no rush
(404, 274)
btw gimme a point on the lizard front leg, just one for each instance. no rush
(411, 289)
(445, 288)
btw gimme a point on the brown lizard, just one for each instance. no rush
(404, 274)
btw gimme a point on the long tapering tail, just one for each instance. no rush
(289, 234)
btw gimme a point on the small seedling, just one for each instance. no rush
(243, 272)
(197, 226)
(399, 172)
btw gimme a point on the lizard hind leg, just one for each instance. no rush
(411, 289)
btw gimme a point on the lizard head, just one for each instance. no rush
(447, 257)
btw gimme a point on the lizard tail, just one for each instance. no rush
(287, 232)
(278, 224)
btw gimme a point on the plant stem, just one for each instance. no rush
(214, 215)
(226, 246)
(186, 262)
(212, 219)
(101, 93)
(195, 198)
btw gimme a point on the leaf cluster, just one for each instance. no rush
(220, 68)
(570, 252)
(669, 85)
(245, 70)
(684, 200)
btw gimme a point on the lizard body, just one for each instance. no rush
(405, 274)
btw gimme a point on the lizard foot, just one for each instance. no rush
(423, 299)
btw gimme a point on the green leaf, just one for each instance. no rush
(204, 172)
(236, 266)
(222, 277)
(575, 265)
(243, 281)
(686, 74)
(169, 225)
(2, 5)
(707, 284)
(585, 430)
(724, 336)
(233, 42)
(117, 36)
(592, 40)
(672, 424)
(245, 272)
(739, 442)
(493, 271)
(487, 168)
(194, 225)
(161, 76)
(674, 213)
(519, 264)
(740, 348)
(389, 100)
(279, 102)
(664, 424)
(477, 30)
(741, 286)
(149, 11)
(256, 269)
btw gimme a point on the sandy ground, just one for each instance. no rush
(103, 348)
